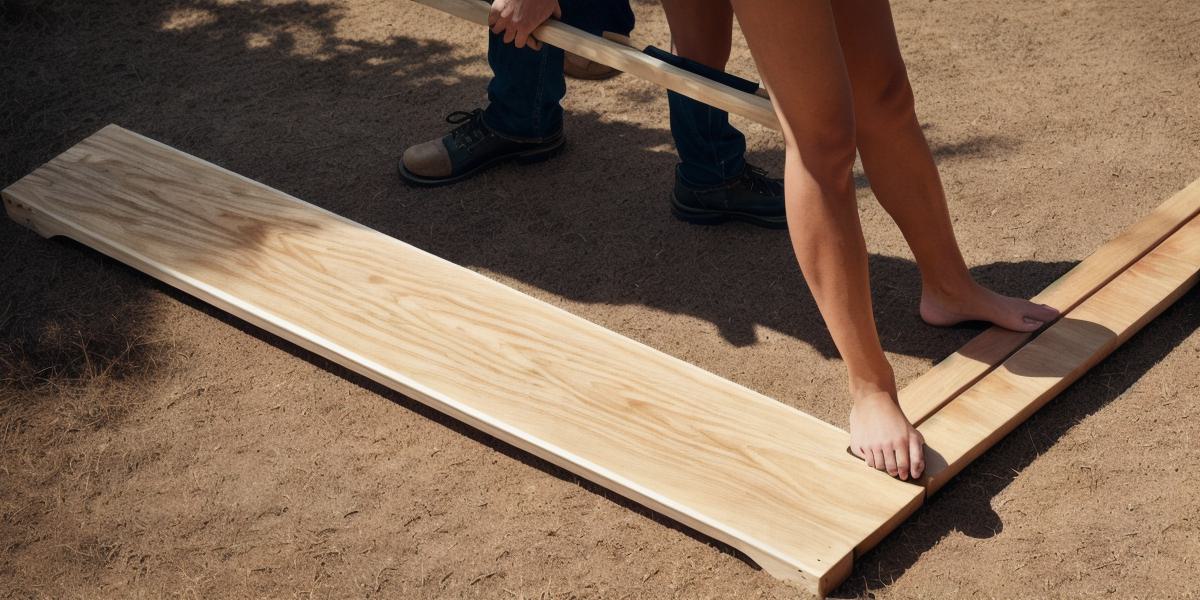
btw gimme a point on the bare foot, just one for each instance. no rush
(977, 303)
(882, 436)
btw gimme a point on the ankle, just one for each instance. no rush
(875, 386)
(959, 287)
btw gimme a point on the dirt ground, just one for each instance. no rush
(151, 446)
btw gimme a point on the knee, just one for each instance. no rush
(826, 148)
(886, 105)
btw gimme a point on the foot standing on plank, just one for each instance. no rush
(839, 85)
(523, 121)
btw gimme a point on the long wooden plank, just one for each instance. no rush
(765, 478)
(627, 59)
(976, 419)
(945, 380)
(949, 377)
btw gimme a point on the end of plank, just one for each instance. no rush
(27, 216)
(24, 213)
(818, 585)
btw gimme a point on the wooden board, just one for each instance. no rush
(945, 380)
(767, 479)
(621, 57)
(949, 377)
(975, 420)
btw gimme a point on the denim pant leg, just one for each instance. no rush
(710, 149)
(527, 85)
(525, 89)
(598, 16)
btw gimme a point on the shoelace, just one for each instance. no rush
(758, 179)
(470, 130)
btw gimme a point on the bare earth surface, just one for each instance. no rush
(151, 447)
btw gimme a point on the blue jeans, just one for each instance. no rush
(527, 85)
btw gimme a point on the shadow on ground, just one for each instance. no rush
(272, 92)
(291, 104)
(964, 505)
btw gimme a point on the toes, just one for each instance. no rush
(1027, 324)
(903, 464)
(889, 460)
(916, 454)
(1044, 312)
(1034, 316)
(878, 461)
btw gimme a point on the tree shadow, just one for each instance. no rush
(274, 92)
(69, 324)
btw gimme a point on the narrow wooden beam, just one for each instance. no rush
(629, 60)
(765, 478)
(987, 411)
(934, 388)
(945, 380)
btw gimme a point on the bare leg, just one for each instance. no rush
(701, 30)
(904, 177)
(796, 46)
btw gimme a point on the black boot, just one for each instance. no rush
(752, 197)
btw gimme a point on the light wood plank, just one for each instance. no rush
(630, 60)
(949, 377)
(945, 380)
(979, 417)
(767, 479)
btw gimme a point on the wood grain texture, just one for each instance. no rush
(949, 377)
(624, 58)
(767, 479)
(945, 380)
(975, 420)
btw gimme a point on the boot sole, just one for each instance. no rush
(700, 216)
(527, 157)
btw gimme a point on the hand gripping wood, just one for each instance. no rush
(624, 58)
(767, 479)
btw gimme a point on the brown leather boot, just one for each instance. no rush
(469, 149)
(578, 67)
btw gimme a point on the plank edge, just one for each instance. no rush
(815, 578)
(919, 411)
(934, 480)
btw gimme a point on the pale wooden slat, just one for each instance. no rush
(624, 58)
(975, 420)
(765, 478)
(945, 380)
(924, 395)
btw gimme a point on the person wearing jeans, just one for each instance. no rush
(523, 121)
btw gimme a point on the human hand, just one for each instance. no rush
(518, 18)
